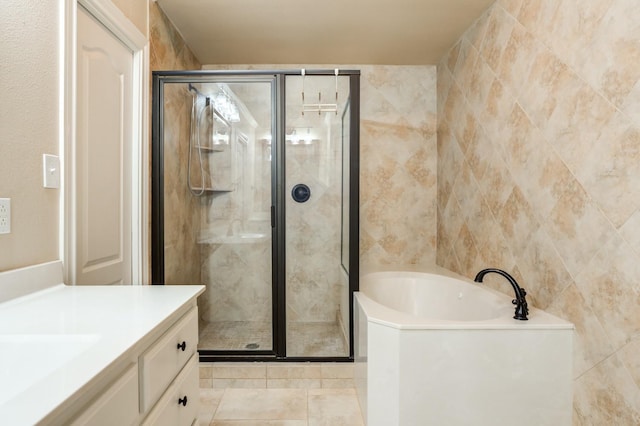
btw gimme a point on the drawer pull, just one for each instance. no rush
(183, 401)
(182, 345)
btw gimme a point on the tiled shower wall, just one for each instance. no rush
(237, 274)
(539, 174)
(397, 165)
(398, 159)
(182, 212)
(313, 228)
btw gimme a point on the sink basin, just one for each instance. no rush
(26, 359)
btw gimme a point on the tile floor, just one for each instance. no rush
(278, 394)
(305, 339)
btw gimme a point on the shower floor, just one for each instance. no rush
(316, 339)
(236, 336)
(304, 339)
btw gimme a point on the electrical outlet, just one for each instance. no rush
(5, 215)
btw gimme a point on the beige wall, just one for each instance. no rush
(29, 74)
(539, 174)
(167, 49)
(29, 125)
(136, 11)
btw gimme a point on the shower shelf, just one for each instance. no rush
(210, 148)
(214, 190)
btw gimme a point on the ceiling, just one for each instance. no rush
(391, 32)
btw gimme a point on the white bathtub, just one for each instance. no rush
(438, 349)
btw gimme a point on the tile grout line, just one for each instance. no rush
(224, 391)
(307, 405)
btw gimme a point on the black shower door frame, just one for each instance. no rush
(278, 194)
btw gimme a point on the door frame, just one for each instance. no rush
(115, 21)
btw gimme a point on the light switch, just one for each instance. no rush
(51, 170)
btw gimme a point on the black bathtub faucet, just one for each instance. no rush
(520, 301)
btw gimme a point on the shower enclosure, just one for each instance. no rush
(255, 196)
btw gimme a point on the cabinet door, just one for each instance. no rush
(180, 404)
(118, 405)
(162, 362)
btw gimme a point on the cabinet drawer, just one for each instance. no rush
(180, 404)
(162, 362)
(118, 405)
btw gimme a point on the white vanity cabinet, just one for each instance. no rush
(96, 355)
(159, 388)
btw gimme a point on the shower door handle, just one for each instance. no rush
(273, 216)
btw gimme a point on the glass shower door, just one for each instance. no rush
(255, 196)
(317, 288)
(216, 136)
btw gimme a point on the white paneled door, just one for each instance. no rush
(103, 155)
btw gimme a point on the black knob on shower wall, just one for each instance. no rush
(300, 193)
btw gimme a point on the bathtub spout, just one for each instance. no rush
(520, 301)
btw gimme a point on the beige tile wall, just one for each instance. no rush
(237, 275)
(539, 174)
(398, 183)
(182, 211)
(397, 165)
(398, 159)
(313, 228)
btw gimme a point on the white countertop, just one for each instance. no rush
(54, 342)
